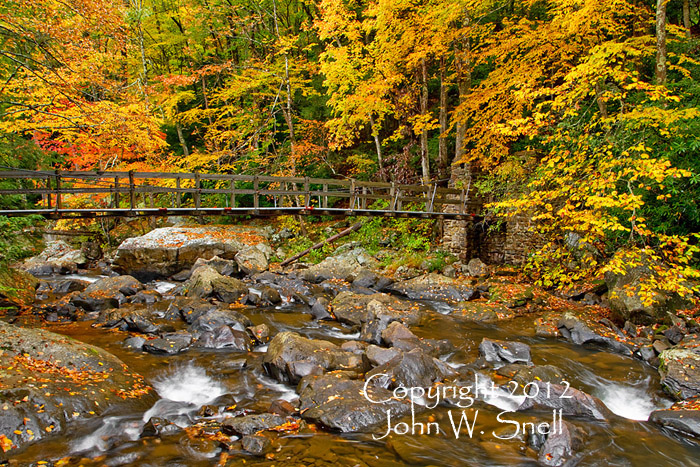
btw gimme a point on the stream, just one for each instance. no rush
(197, 377)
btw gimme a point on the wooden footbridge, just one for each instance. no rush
(81, 194)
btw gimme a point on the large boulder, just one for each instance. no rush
(78, 381)
(582, 332)
(678, 419)
(346, 266)
(251, 260)
(572, 402)
(17, 288)
(290, 357)
(495, 351)
(57, 258)
(625, 294)
(343, 405)
(410, 369)
(434, 287)
(110, 292)
(680, 368)
(207, 282)
(351, 308)
(169, 250)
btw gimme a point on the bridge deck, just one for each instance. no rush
(71, 194)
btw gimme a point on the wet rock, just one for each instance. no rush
(660, 345)
(225, 267)
(674, 334)
(166, 251)
(682, 420)
(251, 260)
(367, 279)
(381, 355)
(270, 296)
(282, 408)
(376, 320)
(140, 321)
(561, 445)
(146, 297)
(410, 369)
(543, 395)
(494, 351)
(64, 365)
(249, 424)
(580, 333)
(434, 287)
(159, 427)
(396, 332)
(356, 347)
(477, 268)
(546, 373)
(261, 333)
(109, 292)
(224, 337)
(206, 282)
(187, 308)
(255, 444)
(338, 404)
(321, 309)
(290, 287)
(218, 317)
(290, 356)
(135, 342)
(67, 286)
(351, 308)
(680, 369)
(57, 258)
(169, 344)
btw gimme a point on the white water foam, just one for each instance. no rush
(341, 335)
(112, 429)
(90, 279)
(163, 287)
(631, 402)
(495, 396)
(189, 384)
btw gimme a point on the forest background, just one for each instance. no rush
(581, 114)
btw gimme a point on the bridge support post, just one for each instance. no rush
(178, 195)
(233, 193)
(197, 191)
(115, 198)
(58, 191)
(256, 195)
(132, 191)
(48, 192)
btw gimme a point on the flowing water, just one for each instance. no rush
(188, 381)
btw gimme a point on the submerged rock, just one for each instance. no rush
(561, 445)
(169, 344)
(547, 396)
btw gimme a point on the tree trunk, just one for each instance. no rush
(424, 156)
(377, 143)
(443, 159)
(661, 41)
(686, 17)
(181, 137)
(464, 82)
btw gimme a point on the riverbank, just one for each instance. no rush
(255, 363)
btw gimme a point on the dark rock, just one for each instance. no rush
(249, 424)
(218, 317)
(321, 309)
(159, 427)
(580, 333)
(367, 279)
(135, 342)
(57, 258)
(561, 445)
(340, 404)
(631, 329)
(660, 345)
(351, 308)
(380, 355)
(187, 308)
(684, 421)
(270, 296)
(546, 373)
(674, 334)
(356, 347)
(139, 321)
(207, 282)
(208, 411)
(147, 297)
(224, 337)
(410, 369)
(67, 286)
(261, 333)
(494, 351)
(434, 287)
(106, 293)
(376, 320)
(680, 371)
(579, 291)
(282, 408)
(169, 344)
(91, 250)
(545, 395)
(255, 444)
(395, 332)
(288, 350)
(482, 312)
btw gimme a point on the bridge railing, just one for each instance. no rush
(172, 193)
